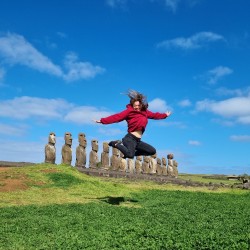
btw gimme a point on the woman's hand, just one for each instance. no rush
(97, 121)
(168, 113)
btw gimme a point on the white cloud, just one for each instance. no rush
(185, 103)
(14, 49)
(196, 41)
(240, 138)
(2, 73)
(80, 70)
(22, 151)
(231, 92)
(110, 131)
(158, 105)
(237, 108)
(11, 130)
(116, 3)
(172, 4)
(26, 107)
(85, 115)
(215, 74)
(194, 143)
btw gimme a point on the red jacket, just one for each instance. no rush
(136, 120)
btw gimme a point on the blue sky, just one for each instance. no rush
(64, 63)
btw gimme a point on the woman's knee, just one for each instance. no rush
(152, 151)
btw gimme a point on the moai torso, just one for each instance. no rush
(123, 163)
(105, 156)
(164, 166)
(131, 166)
(93, 155)
(115, 159)
(138, 164)
(153, 164)
(170, 167)
(158, 166)
(66, 149)
(81, 151)
(50, 149)
(145, 165)
(175, 168)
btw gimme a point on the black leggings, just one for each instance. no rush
(133, 146)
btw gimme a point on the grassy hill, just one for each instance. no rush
(57, 207)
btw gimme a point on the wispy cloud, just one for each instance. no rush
(236, 108)
(25, 107)
(240, 138)
(116, 3)
(11, 130)
(185, 103)
(80, 70)
(217, 73)
(231, 92)
(2, 74)
(16, 50)
(196, 41)
(85, 114)
(194, 143)
(159, 105)
(172, 4)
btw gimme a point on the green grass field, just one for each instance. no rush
(56, 207)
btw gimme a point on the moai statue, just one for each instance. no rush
(81, 151)
(105, 156)
(175, 167)
(164, 166)
(123, 163)
(170, 167)
(66, 149)
(131, 166)
(153, 164)
(138, 164)
(93, 155)
(50, 149)
(145, 165)
(158, 166)
(115, 159)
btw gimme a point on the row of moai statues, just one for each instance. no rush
(116, 162)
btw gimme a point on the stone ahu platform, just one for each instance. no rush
(143, 176)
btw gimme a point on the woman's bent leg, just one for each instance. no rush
(128, 146)
(144, 148)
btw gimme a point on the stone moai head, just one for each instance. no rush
(82, 140)
(105, 147)
(170, 156)
(115, 151)
(164, 161)
(154, 156)
(68, 138)
(139, 158)
(94, 145)
(52, 138)
(146, 159)
(159, 161)
(175, 163)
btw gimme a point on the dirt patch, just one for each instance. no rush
(12, 181)
(11, 185)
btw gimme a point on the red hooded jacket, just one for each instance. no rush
(136, 120)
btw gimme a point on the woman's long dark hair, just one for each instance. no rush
(136, 96)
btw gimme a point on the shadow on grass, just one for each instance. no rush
(116, 200)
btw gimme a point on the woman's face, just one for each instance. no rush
(137, 106)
